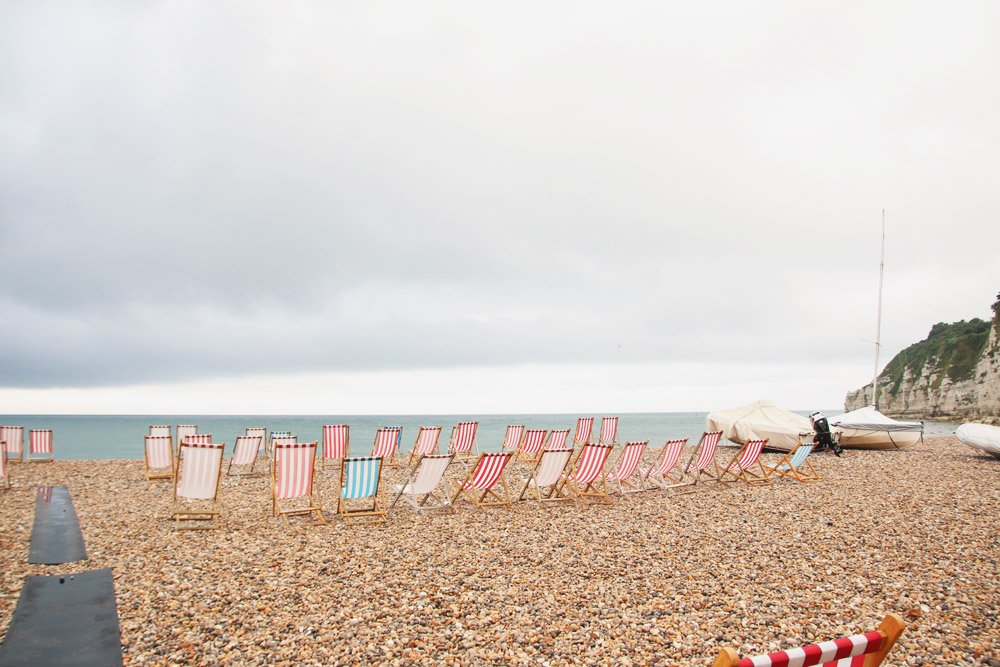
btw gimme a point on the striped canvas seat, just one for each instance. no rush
(184, 430)
(609, 431)
(484, 478)
(705, 454)
(794, 465)
(40, 443)
(13, 438)
(584, 429)
(588, 481)
(292, 475)
(386, 443)
(864, 650)
(557, 439)
(196, 486)
(258, 431)
(742, 465)
(662, 473)
(426, 443)
(628, 467)
(512, 438)
(245, 455)
(532, 444)
(548, 480)
(336, 442)
(360, 480)
(158, 451)
(159, 431)
(463, 440)
(423, 482)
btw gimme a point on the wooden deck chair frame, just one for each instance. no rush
(426, 443)
(532, 445)
(609, 431)
(4, 468)
(512, 438)
(549, 474)
(40, 442)
(336, 443)
(246, 452)
(667, 462)
(370, 487)
(700, 463)
(793, 465)
(588, 482)
(584, 431)
(741, 467)
(423, 482)
(156, 467)
(386, 447)
(489, 468)
(206, 459)
(865, 650)
(627, 468)
(466, 431)
(13, 436)
(293, 471)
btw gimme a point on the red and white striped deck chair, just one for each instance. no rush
(557, 439)
(588, 481)
(40, 443)
(609, 431)
(662, 473)
(292, 477)
(184, 430)
(584, 429)
(512, 438)
(627, 473)
(258, 431)
(196, 486)
(245, 455)
(386, 443)
(702, 461)
(483, 479)
(426, 443)
(867, 650)
(463, 440)
(532, 445)
(4, 470)
(548, 479)
(741, 467)
(159, 431)
(423, 482)
(336, 442)
(158, 451)
(13, 437)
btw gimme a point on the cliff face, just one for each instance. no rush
(952, 375)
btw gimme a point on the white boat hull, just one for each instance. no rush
(857, 438)
(980, 436)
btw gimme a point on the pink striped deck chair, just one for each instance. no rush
(627, 473)
(158, 451)
(741, 467)
(292, 477)
(4, 470)
(483, 479)
(40, 443)
(702, 461)
(386, 443)
(184, 430)
(512, 438)
(609, 431)
(584, 429)
(159, 431)
(557, 439)
(532, 445)
(245, 455)
(258, 431)
(336, 442)
(588, 482)
(196, 486)
(866, 650)
(423, 482)
(662, 471)
(463, 440)
(13, 437)
(426, 443)
(549, 474)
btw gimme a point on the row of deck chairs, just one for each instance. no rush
(12, 444)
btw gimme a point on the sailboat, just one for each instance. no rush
(867, 428)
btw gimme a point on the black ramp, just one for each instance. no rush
(65, 620)
(56, 536)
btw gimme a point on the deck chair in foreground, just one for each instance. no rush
(483, 479)
(422, 482)
(532, 445)
(158, 451)
(463, 440)
(196, 486)
(360, 480)
(664, 472)
(549, 474)
(741, 467)
(386, 443)
(867, 650)
(609, 431)
(702, 461)
(40, 443)
(336, 442)
(245, 455)
(292, 477)
(584, 429)
(794, 465)
(426, 443)
(13, 436)
(512, 438)
(627, 473)
(588, 482)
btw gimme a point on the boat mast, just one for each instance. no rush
(878, 322)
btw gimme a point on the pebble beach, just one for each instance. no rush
(655, 578)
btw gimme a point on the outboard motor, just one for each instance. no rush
(824, 438)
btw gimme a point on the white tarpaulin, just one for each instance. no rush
(762, 419)
(870, 419)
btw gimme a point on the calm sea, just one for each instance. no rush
(121, 436)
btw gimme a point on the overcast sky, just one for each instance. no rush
(431, 207)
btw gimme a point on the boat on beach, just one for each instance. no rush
(784, 430)
(980, 436)
(867, 428)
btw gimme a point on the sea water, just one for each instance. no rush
(121, 436)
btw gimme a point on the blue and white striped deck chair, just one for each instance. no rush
(360, 478)
(794, 465)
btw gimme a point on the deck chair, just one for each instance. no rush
(702, 460)
(482, 481)
(13, 436)
(258, 431)
(422, 482)
(584, 429)
(159, 431)
(532, 445)
(867, 650)
(386, 443)
(627, 473)
(158, 451)
(588, 482)
(196, 486)
(360, 479)
(662, 473)
(741, 467)
(336, 442)
(609, 431)
(184, 430)
(549, 474)
(557, 439)
(40, 443)
(279, 434)
(794, 465)
(426, 443)
(512, 438)
(292, 475)
(244, 455)
(463, 440)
